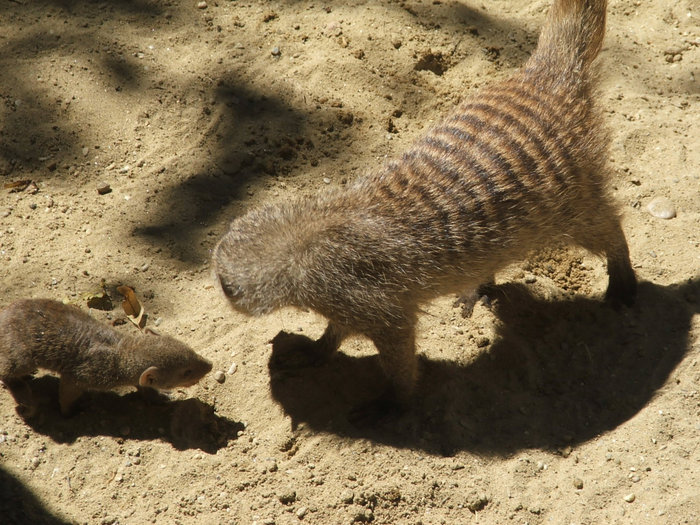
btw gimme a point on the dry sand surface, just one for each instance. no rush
(545, 406)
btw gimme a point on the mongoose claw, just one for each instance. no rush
(467, 301)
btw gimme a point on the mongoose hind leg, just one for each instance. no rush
(468, 299)
(298, 351)
(606, 236)
(622, 283)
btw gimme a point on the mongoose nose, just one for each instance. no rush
(231, 291)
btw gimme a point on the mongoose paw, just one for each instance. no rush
(68, 412)
(621, 294)
(291, 351)
(468, 300)
(376, 411)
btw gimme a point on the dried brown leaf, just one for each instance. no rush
(132, 307)
(17, 185)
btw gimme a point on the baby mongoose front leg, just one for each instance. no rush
(68, 394)
(22, 394)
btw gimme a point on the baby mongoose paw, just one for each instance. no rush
(26, 411)
(291, 351)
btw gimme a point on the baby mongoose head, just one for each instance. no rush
(167, 363)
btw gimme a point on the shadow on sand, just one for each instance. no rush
(186, 424)
(18, 505)
(558, 373)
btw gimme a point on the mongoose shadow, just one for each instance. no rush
(558, 373)
(185, 424)
(19, 505)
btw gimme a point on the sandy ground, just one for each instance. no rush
(547, 407)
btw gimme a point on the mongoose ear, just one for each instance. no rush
(149, 377)
(150, 331)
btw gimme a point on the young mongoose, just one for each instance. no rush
(519, 166)
(88, 355)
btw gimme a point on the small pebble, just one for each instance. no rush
(202, 5)
(232, 369)
(276, 51)
(103, 188)
(302, 512)
(482, 341)
(629, 498)
(662, 208)
(347, 496)
(219, 376)
(578, 483)
(287, 497)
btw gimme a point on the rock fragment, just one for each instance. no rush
(662, 208)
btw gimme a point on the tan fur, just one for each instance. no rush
(88, 355)
(517, 167)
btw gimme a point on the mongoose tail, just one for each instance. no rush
(572, 36)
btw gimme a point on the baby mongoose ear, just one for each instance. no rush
(150, 331)
(149, 377)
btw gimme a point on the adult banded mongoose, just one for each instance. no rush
(518, 166)
(88, 355)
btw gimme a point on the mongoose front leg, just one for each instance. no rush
(22, 393)
(68, 394)
(297, 351)
(397, 355)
